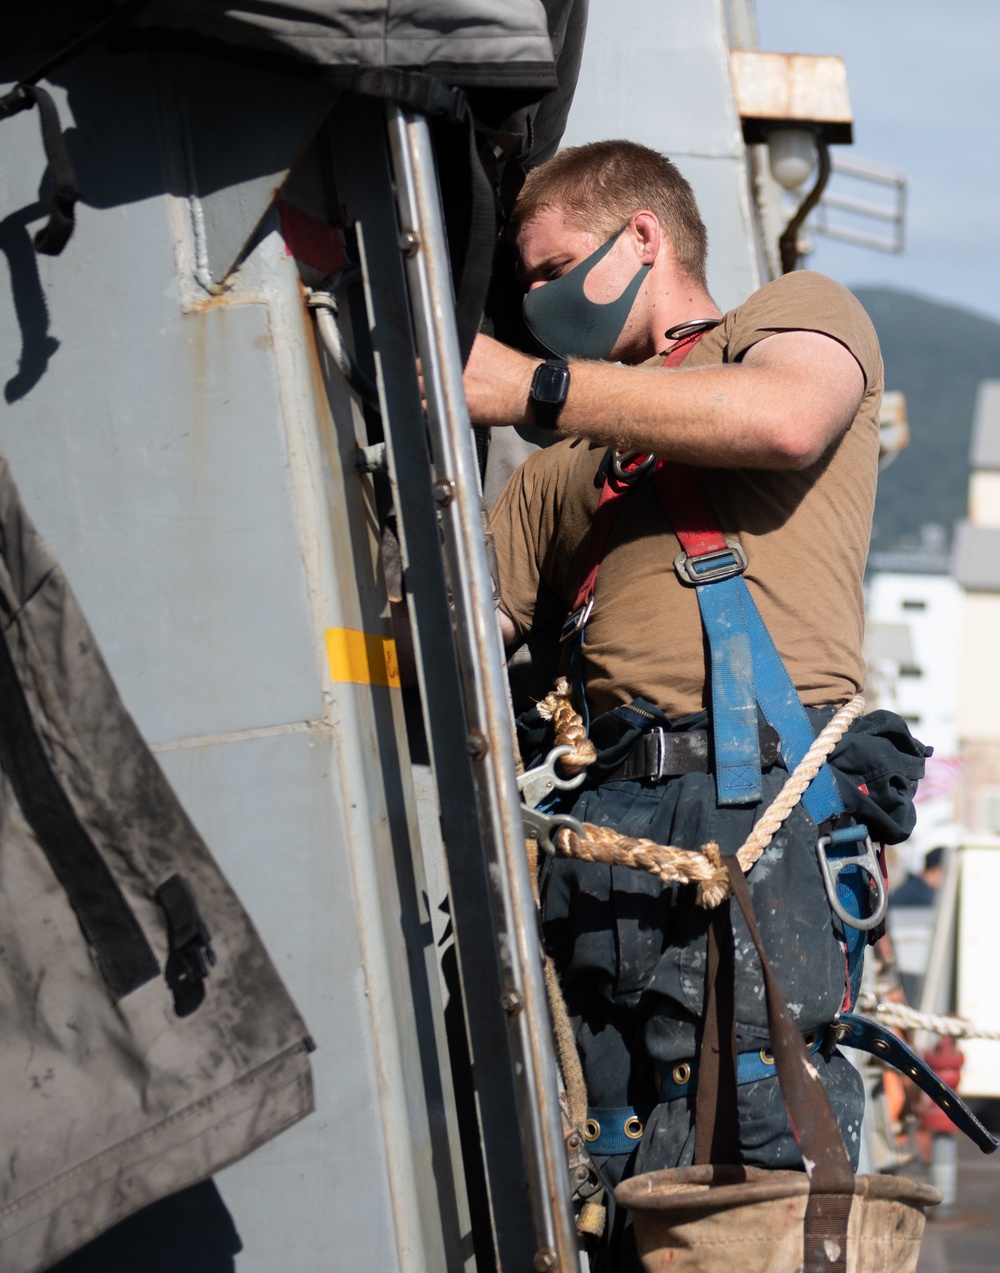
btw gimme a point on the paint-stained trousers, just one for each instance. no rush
(631, 953)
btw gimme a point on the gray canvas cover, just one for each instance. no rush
(467, 42)
(109, 1099)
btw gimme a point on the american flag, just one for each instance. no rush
(940, 779)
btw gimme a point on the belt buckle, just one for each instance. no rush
(661, 751)
(729, 561)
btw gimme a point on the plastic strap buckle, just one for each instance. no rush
(709, 567)
(576, 622)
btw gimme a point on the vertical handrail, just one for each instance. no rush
(479, 652)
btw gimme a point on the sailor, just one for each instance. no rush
(921, 890)
(763, 420)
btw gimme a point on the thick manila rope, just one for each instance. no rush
(900, 1016)
(684, 866)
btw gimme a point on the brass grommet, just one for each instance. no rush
(945, 1103)
(681, 1073)
(591, 1129)
(913, 1072)
(767, 1056)
(633, 1128)
(811, 1039)
(881, 1047)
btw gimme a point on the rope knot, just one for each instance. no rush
(557, 707)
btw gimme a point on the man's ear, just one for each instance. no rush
(647, 236)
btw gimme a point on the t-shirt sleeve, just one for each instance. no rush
(517, 522)
(805, 301)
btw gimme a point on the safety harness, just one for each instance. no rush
(747, 674)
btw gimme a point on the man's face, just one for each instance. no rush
(549, 247)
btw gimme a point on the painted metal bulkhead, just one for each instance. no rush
(193, 467)
(192, 457)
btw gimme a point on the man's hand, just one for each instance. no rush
(498, 383)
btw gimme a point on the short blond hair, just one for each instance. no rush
(600, 185)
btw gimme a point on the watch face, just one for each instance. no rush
(551, 383)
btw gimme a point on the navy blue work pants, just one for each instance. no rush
(631, 953)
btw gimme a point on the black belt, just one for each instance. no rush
(660, 754)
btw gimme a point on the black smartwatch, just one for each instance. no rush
(549, 387)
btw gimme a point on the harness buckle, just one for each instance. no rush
(710, 567)
(866, 860)
(628, 476)
(576, 623)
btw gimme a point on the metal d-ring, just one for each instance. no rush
(865, 861)
(629, 476)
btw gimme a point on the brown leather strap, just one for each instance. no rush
(831, 1180)
(716, 1114)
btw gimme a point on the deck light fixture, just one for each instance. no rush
(797, 104)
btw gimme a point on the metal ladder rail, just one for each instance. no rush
(462, 689)
(484, 683)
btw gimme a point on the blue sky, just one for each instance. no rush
(924, 78)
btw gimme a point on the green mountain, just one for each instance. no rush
(936, 355)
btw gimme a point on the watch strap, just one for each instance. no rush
(549, 387)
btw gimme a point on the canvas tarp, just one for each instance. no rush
(472, 43)
(125, 1074)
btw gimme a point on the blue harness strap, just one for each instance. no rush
(751, 669)
(714, 566)
(747, 673)
(618, 1130)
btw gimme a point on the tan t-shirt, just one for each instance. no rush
(805, 535)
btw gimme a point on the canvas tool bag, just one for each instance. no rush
(145, 1038)
(714, 1218)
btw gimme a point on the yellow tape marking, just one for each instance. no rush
(362, 658)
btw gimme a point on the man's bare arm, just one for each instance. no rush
(789, 399)
(507, 628)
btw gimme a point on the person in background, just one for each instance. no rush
(921, 890)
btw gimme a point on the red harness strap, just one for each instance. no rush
(688, 505)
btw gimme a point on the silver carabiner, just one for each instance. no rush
(868, 862)
(542, 826)
(535, 785)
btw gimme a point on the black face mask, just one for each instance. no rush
(570, 325)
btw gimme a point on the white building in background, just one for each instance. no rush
(977, 569)
(914, 645)
(914, 649)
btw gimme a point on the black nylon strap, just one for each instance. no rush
(191, 954)
(412, 89)
(661, 753)
(472, 242)
(473, 279)
(54, 235)
(123, 954)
